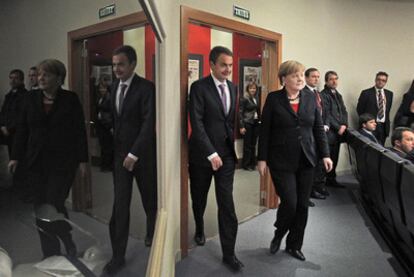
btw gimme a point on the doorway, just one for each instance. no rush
(256, 55)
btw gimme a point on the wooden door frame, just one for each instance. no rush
(192, 15)
(81, 190)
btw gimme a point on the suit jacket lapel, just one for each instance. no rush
(113, 98)
(130, 92)
(232, 97)
(215, 94)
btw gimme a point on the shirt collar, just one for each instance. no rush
(217, 82)
(379, 89)
(128, 81)
(311, 88)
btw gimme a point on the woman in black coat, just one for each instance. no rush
(405, 114)
(292, 140)
(249, 112)
(51, 138)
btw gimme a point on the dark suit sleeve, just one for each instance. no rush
(265, 130)
(3, 112)
(22, 130)
(362, 101)
(197, 109)
(344, 112)
(146, 135)
(80, 130)
(320, 136)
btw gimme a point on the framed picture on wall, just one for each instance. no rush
(250, 71)
(195, 68)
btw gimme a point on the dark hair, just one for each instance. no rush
(54, 67)
(330, 72)
(128, 51)
(364, 118)
(411, 89)
(18, 72)
(397, 134)
(381, 73)
(217, 51)
(309, 71)
(33, 68)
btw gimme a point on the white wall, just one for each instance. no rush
(136, 38)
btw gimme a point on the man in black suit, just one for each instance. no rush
(133, 106)
(337, 117)
(377, 101)
(10, 112)
(319, 190)
(33, 73)
(402, 140)
(211, 150)
(367, 126)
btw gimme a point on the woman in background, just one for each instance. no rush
(51, 138)
(249, 111)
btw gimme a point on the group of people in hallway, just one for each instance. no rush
(45, 131)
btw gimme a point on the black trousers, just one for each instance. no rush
(51, 186)
(19, 176)
(294, 190)
(334, 148)
(379, 133)
(145, 174)
(200, 180)
(106, 143)
(249, 145)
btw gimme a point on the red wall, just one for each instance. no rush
(244, 47)
(149, 53)
(199, 42)
(100, 47)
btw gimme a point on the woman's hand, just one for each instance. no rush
(242, 131)
(12, 166)
(262, 167)
(328, 164)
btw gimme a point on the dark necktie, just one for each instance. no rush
(121, 98)
(223, 97)
(380, 105)
(318, 100)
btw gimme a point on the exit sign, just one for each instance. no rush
(107, 11)
(240, 12)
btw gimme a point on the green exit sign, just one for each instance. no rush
(240, 12)
(107, 11)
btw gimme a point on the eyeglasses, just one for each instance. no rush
(382, 80)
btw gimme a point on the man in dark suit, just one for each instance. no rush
(377, 101)
(367, 126)
(319, 190)
(10, 112)
(337, 117)
(133, 106)
(211, 150)
(402, 140)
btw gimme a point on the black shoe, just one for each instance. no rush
(323, 191)
(311, 204)
(275, 244)
(148, 241)
(317, 195)
(334, 183)
(233, 263)
(200, 239)
(113, 266)
(296, 254)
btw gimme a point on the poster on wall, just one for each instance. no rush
(99, 71)
(195, 69)
(250, 71)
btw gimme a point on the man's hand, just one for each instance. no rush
(242, 131)
(12, 166)
(326, 128)
(129, 163)
(5, 131)
(262, 167)
(328, 164)
(341, 130)
(216, 163)
(412, 107)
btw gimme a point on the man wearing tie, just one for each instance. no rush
(377, 101)
(211, 150)
(133, 107)
(319, 190)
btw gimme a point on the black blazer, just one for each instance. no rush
(247, 110)
(10, 111)
(367, 103)
(285, 134)
(336, 112)
(134, 128)
(404, 117)
(59, 137)
(368, 135)
(324, 114)
(212, 130)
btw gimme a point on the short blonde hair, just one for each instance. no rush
(289, 67)
(54, 67)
